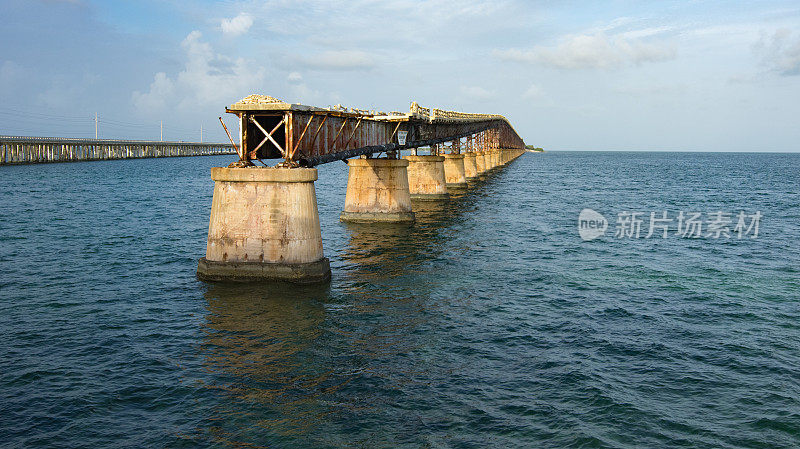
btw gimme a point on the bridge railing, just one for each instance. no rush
(434, 114)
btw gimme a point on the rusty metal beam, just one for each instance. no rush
(374, 149)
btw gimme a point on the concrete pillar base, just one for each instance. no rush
(454, 172)
(377, 217)
(493, 160)
(297, 273)
(426, 179)
(481, 166)
(470, 167)
(377, 192)
(264, 226)
(430, 196)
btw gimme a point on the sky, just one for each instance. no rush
(568, 75)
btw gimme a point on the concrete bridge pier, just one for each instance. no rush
(455, 171)
(377, 192)
(264, 226)
(470, 167)
(480, 163)
(426, 180)
(489, 156)
(511, 155)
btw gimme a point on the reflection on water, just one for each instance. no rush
(257, 340)
(382, 250)
(291, 363)
(296, 365)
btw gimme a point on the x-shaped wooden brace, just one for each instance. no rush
(268, 136)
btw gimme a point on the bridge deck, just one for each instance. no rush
(308, 135)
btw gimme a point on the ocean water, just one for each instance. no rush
(489, 323)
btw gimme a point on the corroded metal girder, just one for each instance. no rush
(309, 136)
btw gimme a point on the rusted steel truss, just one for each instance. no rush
(307, 136)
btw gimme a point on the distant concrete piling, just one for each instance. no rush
(480, 163)
(377, 192)
(494, 159)
(470, 168)
(426, 179)
(454, 171)
(36, 150)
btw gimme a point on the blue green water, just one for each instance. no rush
(489, 323)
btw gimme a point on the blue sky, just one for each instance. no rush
(569, 75)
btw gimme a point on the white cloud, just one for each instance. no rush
(646, 32)
(294, 77)
(61, 96)
(208, 79)
(237, 25)
(651, 90)
(161, 91)
(305, 95)
(780, 52)
(533, 92)
(477, 93)
(399, 22)
(339, 60)
(591, 51)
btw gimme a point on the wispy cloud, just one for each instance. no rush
(477, 93)
(780, 51)
(592, 51)
(237, 25)
(339, 60)
(533, 92)
(207, 79)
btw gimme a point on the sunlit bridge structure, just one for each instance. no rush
(309, 136)
(264, 223)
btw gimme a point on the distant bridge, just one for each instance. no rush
(32, 150)
(308, 136)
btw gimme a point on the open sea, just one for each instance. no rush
(490, 323)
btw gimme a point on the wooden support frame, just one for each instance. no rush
(268, 136)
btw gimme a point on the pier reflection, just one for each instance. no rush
(379, 250)
(296, 366)
(259, 344)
